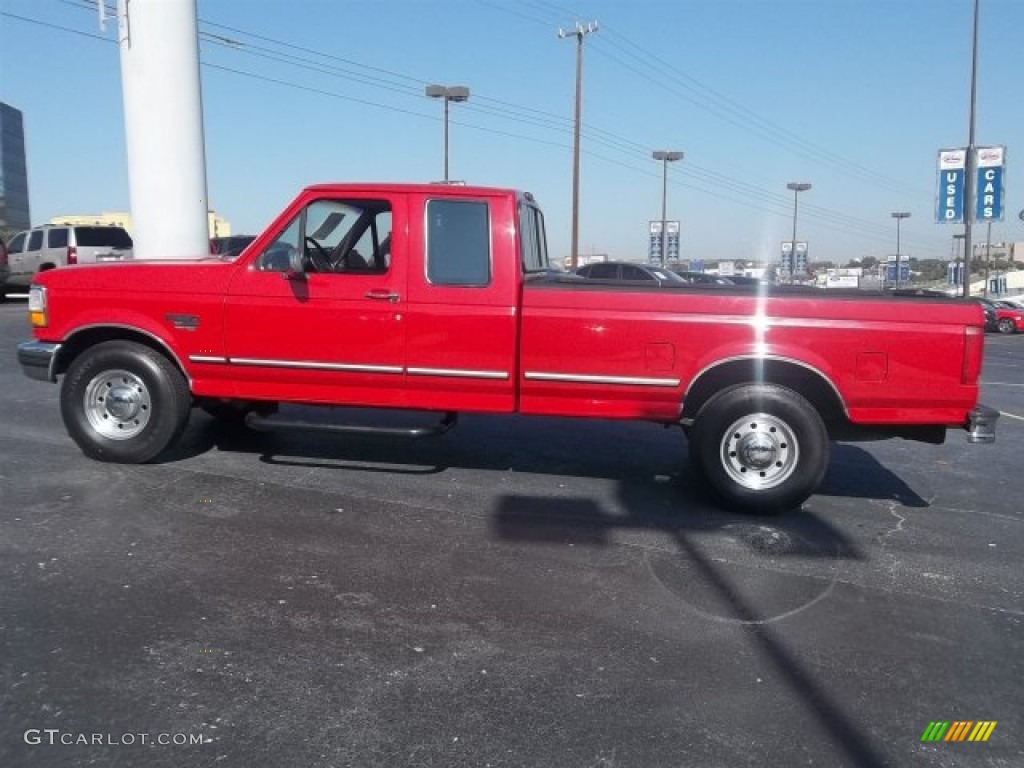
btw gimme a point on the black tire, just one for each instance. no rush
(761, 447)
(124, 402)
(1006, 325)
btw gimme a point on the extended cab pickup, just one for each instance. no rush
(441, 298)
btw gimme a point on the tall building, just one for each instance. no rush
(14, 213)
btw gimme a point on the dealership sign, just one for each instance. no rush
(987, 172)
(989, 195)
(671, 240)
(952, 174)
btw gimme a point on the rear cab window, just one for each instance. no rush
(35, 240)
(532, 239)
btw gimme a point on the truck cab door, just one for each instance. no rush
(463, 302)
(318, 314)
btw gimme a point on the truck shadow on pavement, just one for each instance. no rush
(717, 566)
(641, 453)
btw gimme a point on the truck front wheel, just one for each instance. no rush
(124, 402)
(763, 448)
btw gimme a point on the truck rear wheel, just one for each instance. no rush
(763, 448)
(124, 402)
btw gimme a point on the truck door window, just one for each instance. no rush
(35, 240)
(335, 236)
(458, 243)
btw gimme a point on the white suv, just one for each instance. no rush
(42, 248)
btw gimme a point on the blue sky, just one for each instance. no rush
(854, 96)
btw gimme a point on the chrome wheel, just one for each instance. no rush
(117, 404)
(759, 451)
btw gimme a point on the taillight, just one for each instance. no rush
(72, 255)
(974, 348)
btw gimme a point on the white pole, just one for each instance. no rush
(163, 120)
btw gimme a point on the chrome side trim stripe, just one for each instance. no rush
(353, 367)
(582, 378)
(458, 373)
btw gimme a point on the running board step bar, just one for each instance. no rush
(260, 423)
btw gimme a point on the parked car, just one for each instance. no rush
(1009, 317)
(703, 278)
(629, 270)
(41, 248)
(1001, 319)
(229, 247)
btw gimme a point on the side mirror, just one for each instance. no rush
(296, 265)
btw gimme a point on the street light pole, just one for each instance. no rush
(447, 94)
(579, 33)
(899, 216)
(666, 157)
(797, 187)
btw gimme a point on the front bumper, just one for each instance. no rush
(981, 424)
(38, 359)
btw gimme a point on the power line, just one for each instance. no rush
(759, 198)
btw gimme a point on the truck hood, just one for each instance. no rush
(198, 276)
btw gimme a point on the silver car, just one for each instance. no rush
(36, 250)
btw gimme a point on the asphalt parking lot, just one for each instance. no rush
(515, 593)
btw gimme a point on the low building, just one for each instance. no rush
(218, 227)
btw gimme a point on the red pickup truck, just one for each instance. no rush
(442, 298)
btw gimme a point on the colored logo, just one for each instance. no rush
(958, 730)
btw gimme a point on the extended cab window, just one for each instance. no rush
(458, 243)
(334, 236)
(35, 240)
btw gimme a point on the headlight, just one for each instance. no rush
(37, 306)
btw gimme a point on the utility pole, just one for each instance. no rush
(969, 165)
(579, 33)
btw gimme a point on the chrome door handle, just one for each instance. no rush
(382, 294)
